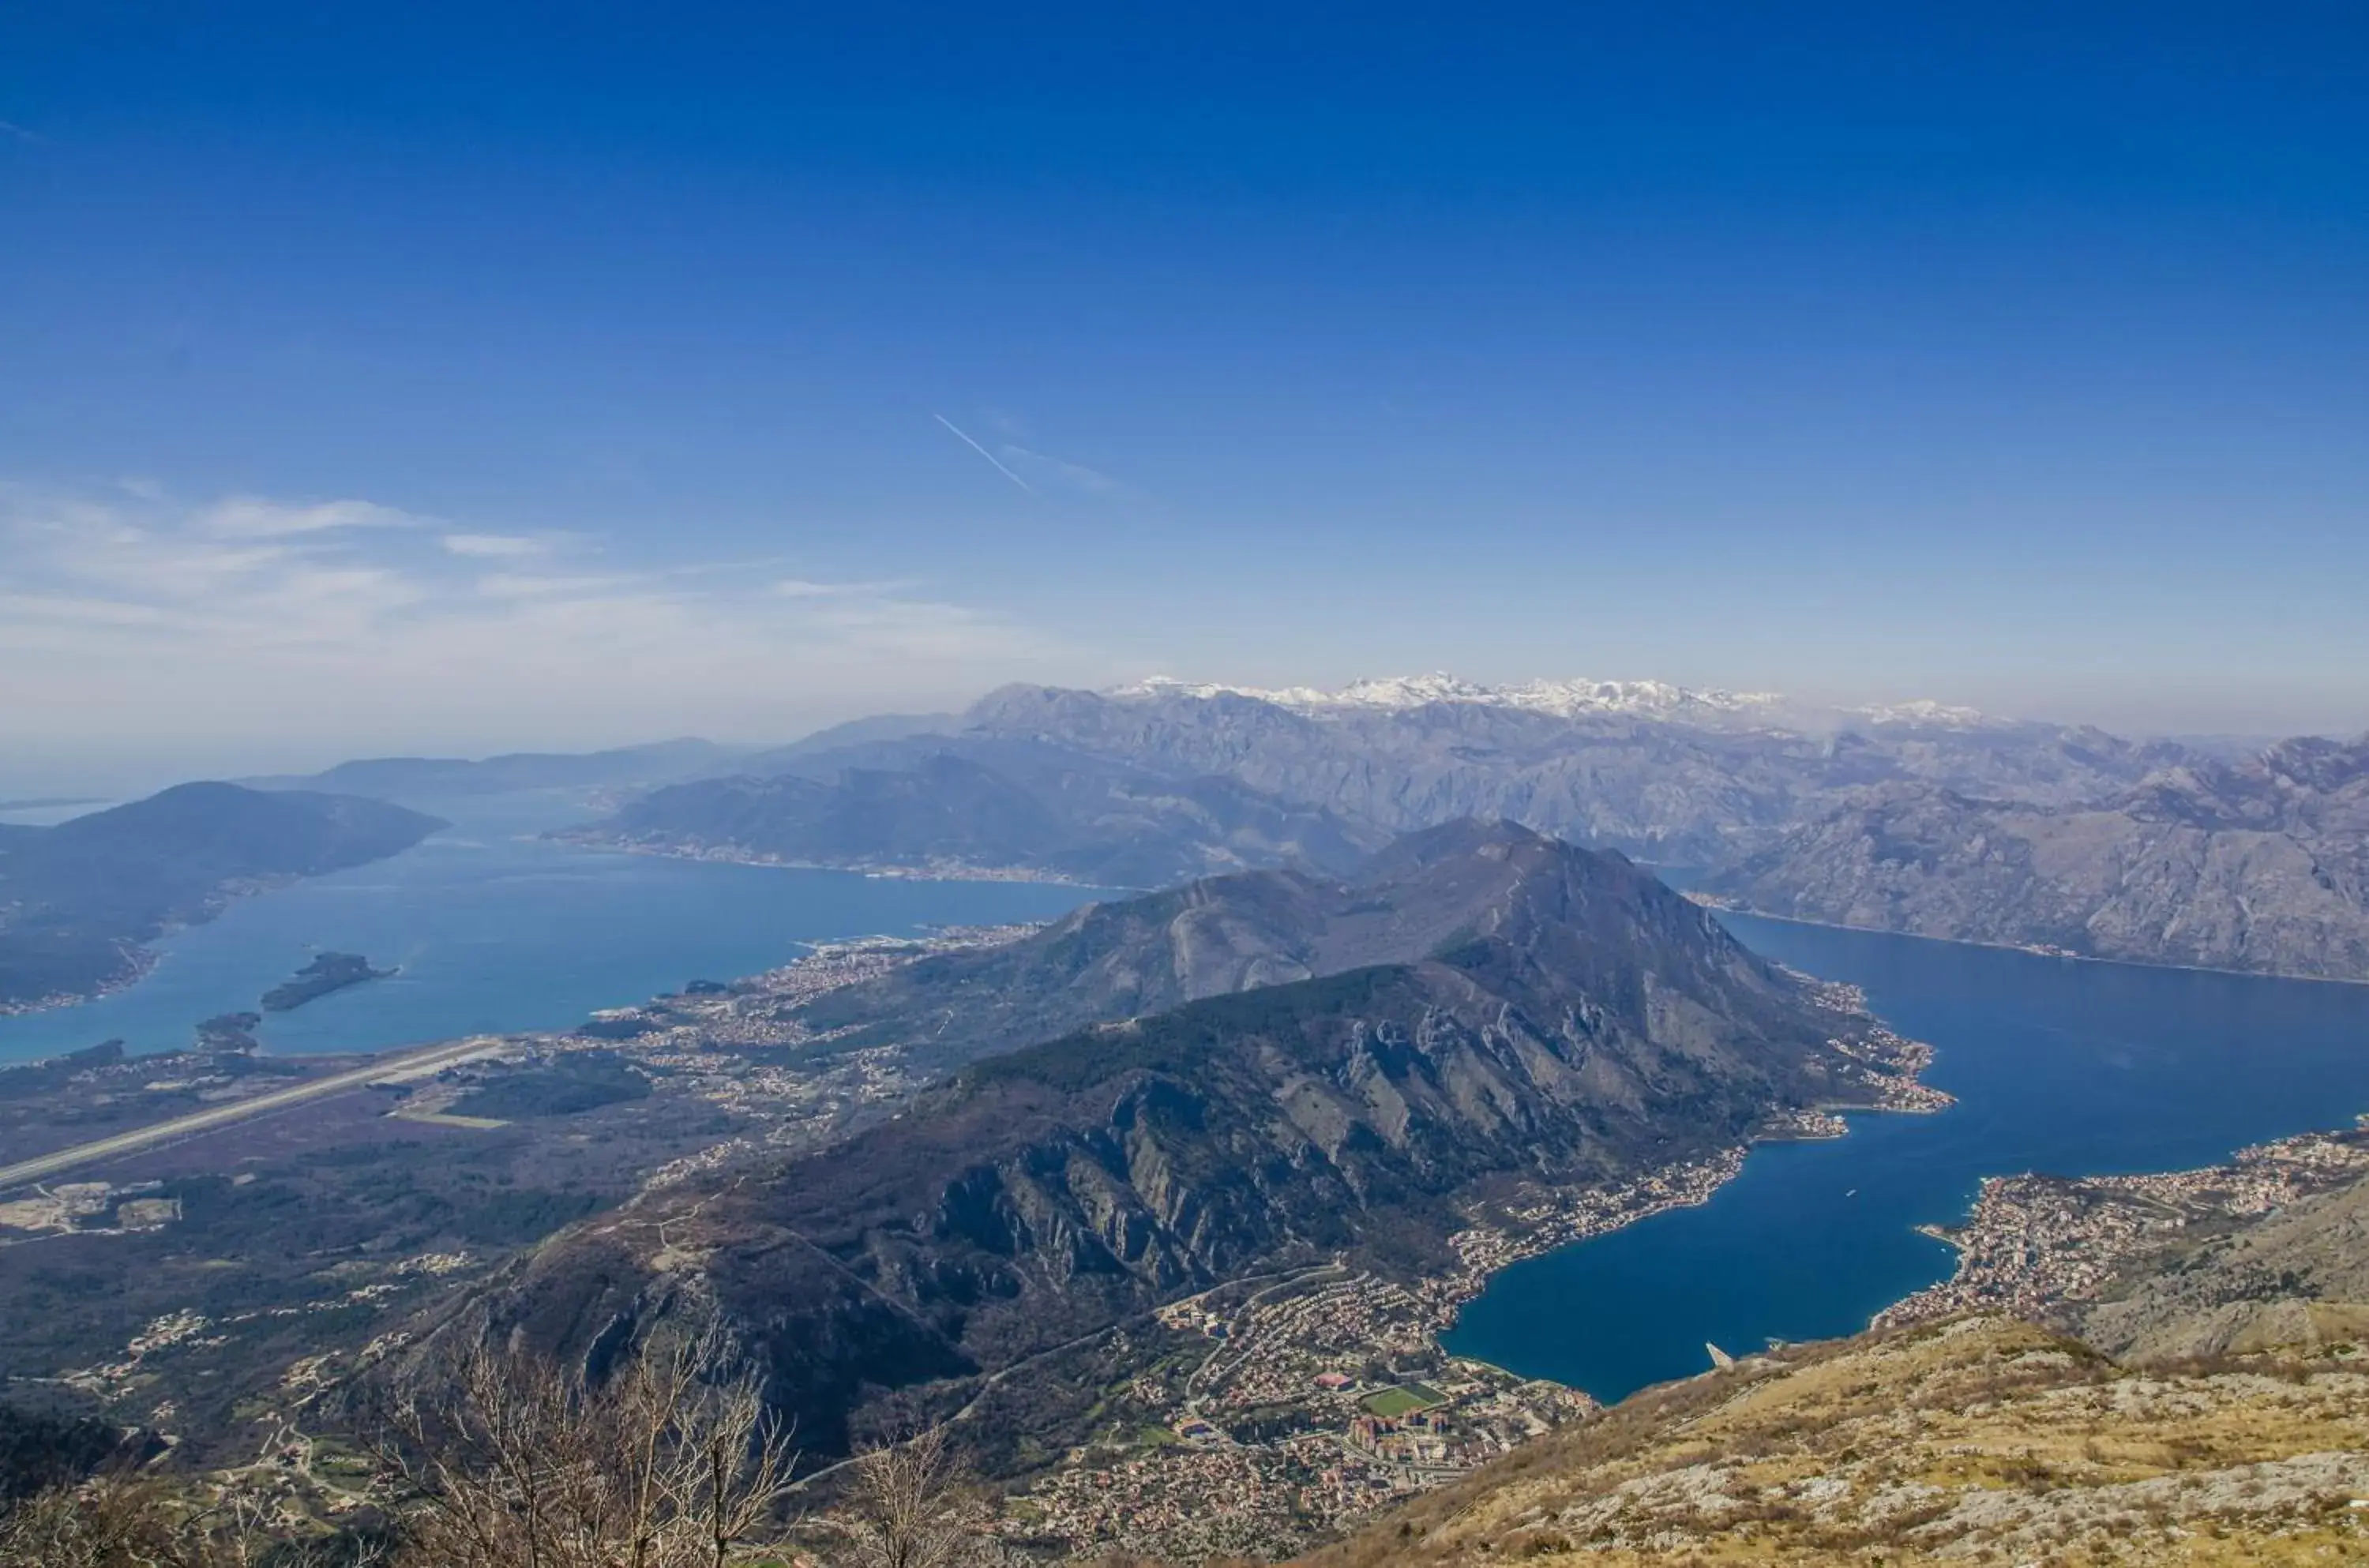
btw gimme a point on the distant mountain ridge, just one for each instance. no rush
(77, 900)
(1917, 816)
(1568, 1020)
(1564, 699)
(1674, 775)
(2261, 865)
(1659, 785)
(980, 804)
(429, 777)
(1577, 697)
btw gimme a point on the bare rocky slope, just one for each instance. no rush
(2261, 865)
(2294, 1281)
(1584, 1022)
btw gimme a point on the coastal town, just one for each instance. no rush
(1302, 1404)
(2034, 1242)
(740, 1049)
(923, 868)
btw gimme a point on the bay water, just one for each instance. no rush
(2059, 1066)
(496, 929)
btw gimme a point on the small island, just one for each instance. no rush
(326, 973)
(229, 1032)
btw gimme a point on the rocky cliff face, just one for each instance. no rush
(2260, 865)
(1580, 1022)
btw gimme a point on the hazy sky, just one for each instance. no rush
(462, 377)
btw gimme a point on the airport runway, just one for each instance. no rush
(392, 1068)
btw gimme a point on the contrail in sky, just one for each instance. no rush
(1007, 473)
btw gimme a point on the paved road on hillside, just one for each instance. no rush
(381, 1069)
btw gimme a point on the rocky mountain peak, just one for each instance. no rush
(1260, 1071)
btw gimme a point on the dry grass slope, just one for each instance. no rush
(1980, 1440)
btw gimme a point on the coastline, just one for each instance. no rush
(1567, 1217)
(2037, 1246)
(2030, 950)
(1335, 1322)
(934, 871)
(139, 961)
(140, 955)
(1893, 1069)
(1311, 1347)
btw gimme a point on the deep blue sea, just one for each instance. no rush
(496, 930)
(2063, 1067)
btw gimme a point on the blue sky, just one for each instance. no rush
(456, 377)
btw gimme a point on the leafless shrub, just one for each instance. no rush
(117, 1521)
(911, 1505)
(105, 1524)
(524, 1467)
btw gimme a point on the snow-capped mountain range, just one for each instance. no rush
(1574, 698)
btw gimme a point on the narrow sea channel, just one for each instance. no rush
(2068, 1068)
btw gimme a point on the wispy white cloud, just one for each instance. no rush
(252, 517)
(804, 588)
(354, 625)
(528, 585)
(17, 133)
(497, 546)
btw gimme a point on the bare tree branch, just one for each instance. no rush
(911, 1505)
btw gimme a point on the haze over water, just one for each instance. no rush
(496, 930)
(2067, 1068)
